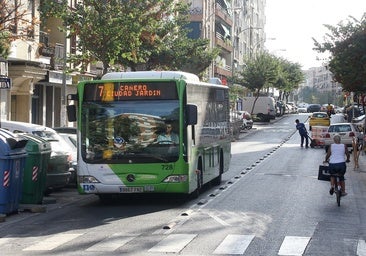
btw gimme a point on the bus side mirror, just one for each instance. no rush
(191, 114)
(71, 109)
(71, 113)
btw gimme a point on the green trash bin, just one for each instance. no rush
(35, 171)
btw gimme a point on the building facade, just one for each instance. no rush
(37, 63)
(236, 27)
(321, 79)
(35, 66)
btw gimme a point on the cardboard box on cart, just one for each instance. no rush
(318, 134)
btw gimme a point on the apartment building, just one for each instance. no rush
(321, 79)
(236, 27)
(36, 65)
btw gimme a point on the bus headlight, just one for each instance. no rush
(88, 179)
(176, 179)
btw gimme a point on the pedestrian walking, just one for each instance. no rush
(303, 133)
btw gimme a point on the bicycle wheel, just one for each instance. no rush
(338, 196)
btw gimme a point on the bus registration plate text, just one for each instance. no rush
(131, 189)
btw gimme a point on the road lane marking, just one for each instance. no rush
(110, 243)
(218, 219)
(361, 248)
(294, 245)
(173, 243)
(6, 240)
(52, 242)
(234, 244)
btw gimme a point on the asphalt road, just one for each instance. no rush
(270, 203)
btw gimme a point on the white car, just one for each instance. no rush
(347, 131)
(302, 110)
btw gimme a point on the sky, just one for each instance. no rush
(291, 25)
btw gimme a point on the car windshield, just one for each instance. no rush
(319, 115)
(340, 128)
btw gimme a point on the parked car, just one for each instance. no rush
(68, 130)
(247, 120)
(347, 131)
(235, 124)
(264, 107)
(290, 109)
(280, 108)
(302, 110)
(319, 119)
(294, 107)
(71, 140)
(58, 171)
(313, 108)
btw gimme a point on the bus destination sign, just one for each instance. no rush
(119, 91)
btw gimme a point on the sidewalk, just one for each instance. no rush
(361, 163)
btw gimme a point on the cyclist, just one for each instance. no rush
(337, 163)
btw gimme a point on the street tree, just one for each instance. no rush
(259, 72)
(132, 34)
(289, 78)
(15, 23)
(346, 43)
(183, 53)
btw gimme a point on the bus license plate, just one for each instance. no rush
(131, 189)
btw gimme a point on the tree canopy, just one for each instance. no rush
(289, 77)
(14, 24)
(136, 34)
(265, 70)
(346, 42)
(258, 72)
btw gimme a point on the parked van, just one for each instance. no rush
(59, 167)
(264, 108)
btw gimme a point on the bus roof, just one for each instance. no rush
(152, 75)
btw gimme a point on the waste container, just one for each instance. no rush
(12, 162)
(35, 171)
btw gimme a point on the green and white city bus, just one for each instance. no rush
(119, 122)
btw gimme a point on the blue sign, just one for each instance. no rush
(5, 82)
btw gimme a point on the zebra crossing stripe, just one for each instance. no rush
(110, 243)
(173, 243)
(294, 245)
(52, 242)
(234, 244)
(361, 248)
(6, 240)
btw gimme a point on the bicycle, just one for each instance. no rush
(337, 185)
(337, 188)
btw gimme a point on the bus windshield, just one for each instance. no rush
(134, 131)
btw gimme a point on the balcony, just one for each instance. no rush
(196, 14)
(44, 48)
(223, 43)
(223, 71)
(58, 59)
(221, 13)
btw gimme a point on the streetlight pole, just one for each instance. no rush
(234, 47)
(257, 46)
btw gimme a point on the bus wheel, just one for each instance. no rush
(199, 175)
(217, 181)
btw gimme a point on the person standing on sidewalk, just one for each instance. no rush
(303, 133)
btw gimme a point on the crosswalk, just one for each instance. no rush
(231, 244)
